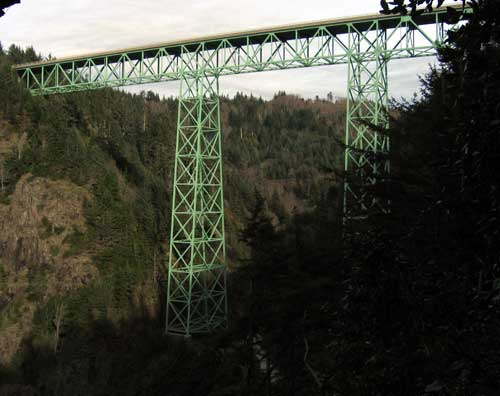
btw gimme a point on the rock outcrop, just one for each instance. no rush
(35, 229)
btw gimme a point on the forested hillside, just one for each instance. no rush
(403, 303)
(85, 189)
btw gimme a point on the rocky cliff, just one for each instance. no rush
(35, 229)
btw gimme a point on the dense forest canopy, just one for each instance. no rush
(405, 303)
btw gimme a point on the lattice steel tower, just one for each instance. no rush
(366, 161)
(196, 291)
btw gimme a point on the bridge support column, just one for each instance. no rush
(196, 290)
(366, 161)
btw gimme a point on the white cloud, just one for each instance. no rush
(65, 28)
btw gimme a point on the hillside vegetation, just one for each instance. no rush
(85, 193)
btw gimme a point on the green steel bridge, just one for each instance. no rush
(196, 295)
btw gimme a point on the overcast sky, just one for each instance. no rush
(70, 27)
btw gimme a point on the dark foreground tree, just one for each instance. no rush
(6, 4)
(422, 303)
(412, 6)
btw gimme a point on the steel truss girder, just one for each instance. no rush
(322, 44)
(196, 289)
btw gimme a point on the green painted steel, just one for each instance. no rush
(196, 295)
(313, 44)
(366, 161)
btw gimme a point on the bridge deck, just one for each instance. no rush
(257, 36)
(359, 39)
